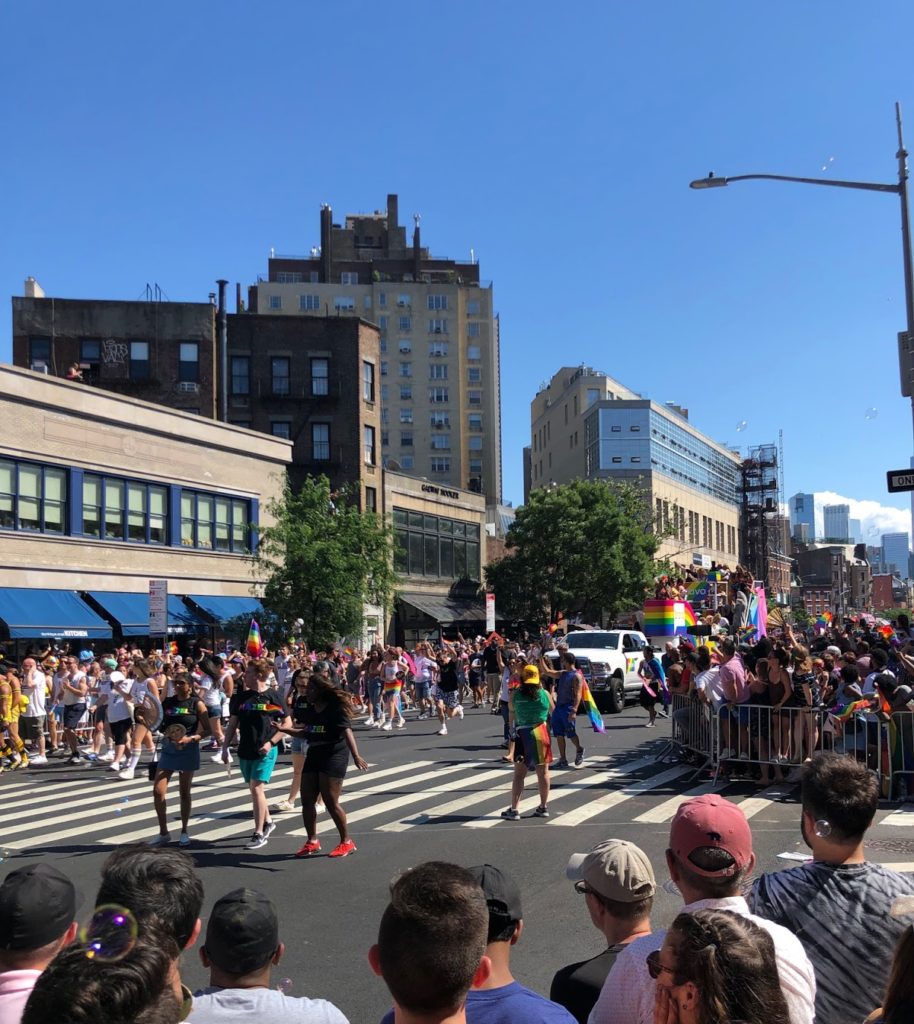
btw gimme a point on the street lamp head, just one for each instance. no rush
(709, 182)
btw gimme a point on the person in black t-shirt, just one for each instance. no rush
(325, 720)
(255, 713)
(184, 723)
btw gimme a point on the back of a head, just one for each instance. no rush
(432, 937)
(731, 962)
(75, 989)
(159, 886)
(842, 791)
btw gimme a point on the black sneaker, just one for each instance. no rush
(75, 759)
(579, 758)
(510, 814)
(541, 812)
(269, 827)
(256, 841)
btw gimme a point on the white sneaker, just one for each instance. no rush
(217, 758)
(386, 727)
(184, 839)
(283, 805)
(400, 725)
(160, 840)
(729, 752)
(460, 711)
(442, 731)
(127, 774)
(109, 756)
(115, 766)
(38, 759)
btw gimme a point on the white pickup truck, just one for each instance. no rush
(608, 659)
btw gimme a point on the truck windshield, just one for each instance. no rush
(580, 641)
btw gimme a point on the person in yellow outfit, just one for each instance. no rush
(12, 704)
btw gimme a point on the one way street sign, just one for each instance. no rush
(900, 480)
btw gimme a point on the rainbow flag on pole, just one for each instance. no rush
(843, 712)
(254, 646)
(593, 712)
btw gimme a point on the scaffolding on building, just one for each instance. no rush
(762, 520)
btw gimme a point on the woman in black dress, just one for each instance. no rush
(323, 716)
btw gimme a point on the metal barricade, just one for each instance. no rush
(694, 731)
(896, 754)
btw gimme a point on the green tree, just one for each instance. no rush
(322, 561)
(586, 547)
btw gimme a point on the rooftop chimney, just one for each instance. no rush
(393, 213)
(33, 289)
(326, 233)
(416, 249)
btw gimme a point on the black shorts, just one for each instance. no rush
(72, 715)
(101, 713)
(120, 729)
(327, 759)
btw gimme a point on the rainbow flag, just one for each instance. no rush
(667, 618)
(823, 621)
(171, 647)
(885, 631)
(593, 712)
(254, 646)
(543, 741)
(843, 712)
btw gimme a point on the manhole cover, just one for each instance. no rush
(890, 845)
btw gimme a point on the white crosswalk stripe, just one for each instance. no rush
(96, 808)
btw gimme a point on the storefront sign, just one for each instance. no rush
(490, 613)
(442, 491)
(158, 607)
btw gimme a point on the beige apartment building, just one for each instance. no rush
(439, 340)
(100, 493)
(586, 425)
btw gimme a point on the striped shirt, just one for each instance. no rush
(840, 912)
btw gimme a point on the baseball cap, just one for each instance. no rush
(616, 869)
(710, 821)
(37, 905)
(833, 649)
(110, 663)
(531, 675)
(242, 933)
(501, 891)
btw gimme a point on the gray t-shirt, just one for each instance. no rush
(243, 1005)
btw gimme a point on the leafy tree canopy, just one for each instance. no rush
(585, 547)
(321, 561)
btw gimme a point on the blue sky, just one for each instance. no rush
(179, 143)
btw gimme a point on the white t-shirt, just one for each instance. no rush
(230, 1005)
(69, 699)
(212, 697)
(118, 709)
(708, 682)
(37, 695)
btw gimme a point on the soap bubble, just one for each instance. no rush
(123, 805)
(284, 986)
(871, 413)
(670, 886)
(741, 426)
(110, 934)
(5, 854)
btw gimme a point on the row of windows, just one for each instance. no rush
(34, 497)
(437, 419)
(436, 371)
(318, 384)
(435, 546)
(700, 530)
(137, 353)
(437, 442)
(436, 349)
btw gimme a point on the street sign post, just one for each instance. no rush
(158, 607)
(900, 480)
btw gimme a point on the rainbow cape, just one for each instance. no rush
(254, 646)
(593, 712)
(842, 712)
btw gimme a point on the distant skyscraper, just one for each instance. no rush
(802, 508)
(895, 553)
(856, 534)
(836, 522)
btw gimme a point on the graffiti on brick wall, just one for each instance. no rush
(114, 353)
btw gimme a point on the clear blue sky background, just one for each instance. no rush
(176, 143)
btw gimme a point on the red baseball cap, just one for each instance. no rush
(711, 821)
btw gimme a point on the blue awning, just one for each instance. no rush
(55, 614)
(131, 613)
(224, 609)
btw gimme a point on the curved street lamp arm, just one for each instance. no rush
(868, 186)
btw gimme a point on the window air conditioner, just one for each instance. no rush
(189, 386)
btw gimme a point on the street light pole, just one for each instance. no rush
(900, 189)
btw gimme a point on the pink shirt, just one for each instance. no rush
(15, 989)
(733, 680)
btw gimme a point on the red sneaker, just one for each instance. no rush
(312, 846)
(344, 849)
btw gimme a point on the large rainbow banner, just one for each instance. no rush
(667, 618)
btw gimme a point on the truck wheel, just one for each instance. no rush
(615, 696)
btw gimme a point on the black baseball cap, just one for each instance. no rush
(501, 891)
(242, 933)
(37, 905)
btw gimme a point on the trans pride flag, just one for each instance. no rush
(593, 712)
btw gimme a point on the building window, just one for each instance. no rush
(437, 326)
(474, 421)
(635, 428)
(382, 344)
(367, 381)
(385, 415)
(90, 352)
(385, 392)
(474, 352)
(275, 302)
(438, 396)
(214, 522)
(437, 371)
(32, 497)
(320, 442)
(473, 307)
(406, 439)
(636, 458)
(406, 462)
(344, 303)
(309, 303)
(472, 330)
(320, 376)
(593, 395)
(139, 360)
(406, 392)
(474, 374)
(385, 438)
(474, 398)
(288, 277)
(246, 423)
(314, 277)
(405, 323)
(368, 443)
(106, 501)
(281, 428)
(435, 546)
(474, 444)
(385, 367)
(437, 302)
(439, 419)
(40, 354)
(441, 442)
(241, 375)
(189, 362)
(280, 374)
(437, 348)
(406, 369)
(406, 346)
(440, 464)
(475, 466)
(371, 499)
(617, 458)
(406, 415)
(349, 277)
(616, 428)
(403, 301)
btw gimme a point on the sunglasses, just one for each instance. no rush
(654, 967)
(582, 888)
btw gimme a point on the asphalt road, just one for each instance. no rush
(425, 797)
